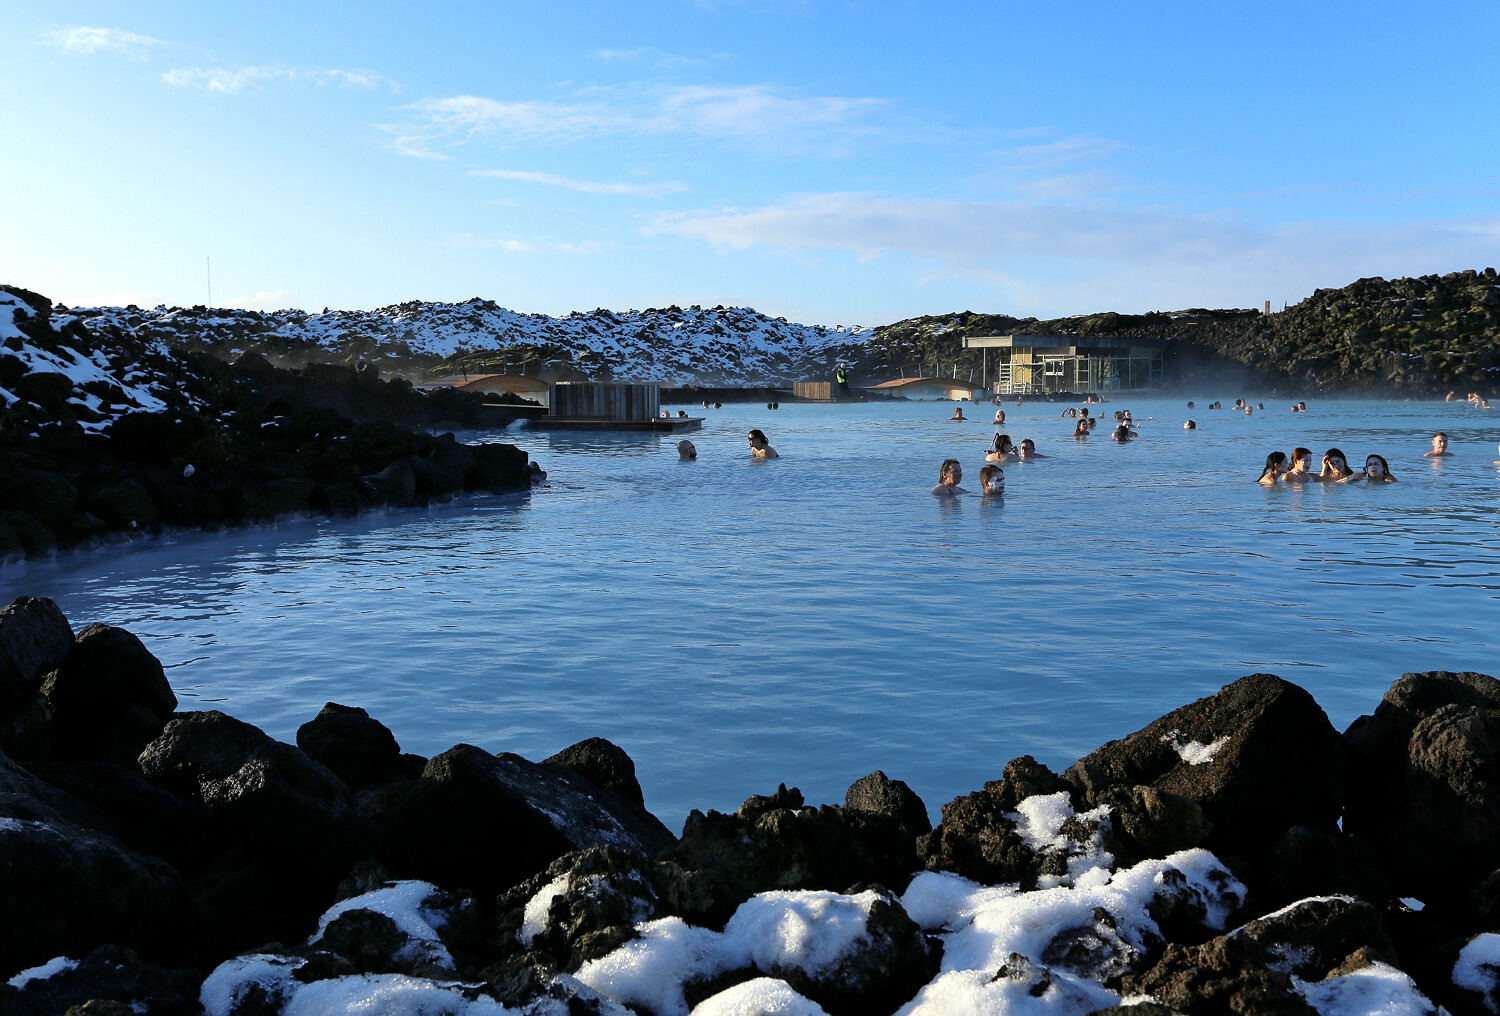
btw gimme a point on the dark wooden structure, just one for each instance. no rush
(607, 406)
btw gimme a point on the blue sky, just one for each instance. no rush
(830, 162)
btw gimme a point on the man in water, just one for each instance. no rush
(948, 476)
(992, 480)
(685, 451)
(1439, 447)
(958, 415)
(1190, 425)
(1029, 452)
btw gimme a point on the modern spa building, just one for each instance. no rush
(1042, 364)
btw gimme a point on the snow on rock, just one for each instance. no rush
(233, 981)
(404, 903)
(52, 967)
(1478, 968)
(1040, 820)
(673, 345)
(810, 931)
(534, 915)
(1051, 947)
(763, 996)
(1194, 753)
(391, 995)
(1376, 990)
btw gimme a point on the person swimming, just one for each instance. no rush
(949, 474)
(1093, 422)
(1300, 470)
(1122, 433)
(1377, 471)
(759, 448)
(1439, 447)
(992, 480)
(1190, 405)
(1082, 430)
(1275, 466)
(999, 417)
(1029, 452)
(958, 415)
(1001, 450)
(686, 451)
(1335, 467)
(1190, 425)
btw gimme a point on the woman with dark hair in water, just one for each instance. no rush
(1082, 430)
(1122, 434)
(1376, 470)
(1001, 450)
(1275, 465)
(760, 448)
(949, 474)
(1335, 467)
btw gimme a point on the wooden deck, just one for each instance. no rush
(669, 425)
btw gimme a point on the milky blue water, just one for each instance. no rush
(735, 624)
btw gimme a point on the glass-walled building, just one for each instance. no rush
(1043, 364)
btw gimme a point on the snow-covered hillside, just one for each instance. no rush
(718, 345)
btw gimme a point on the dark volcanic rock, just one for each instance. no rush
(1250, 970)
(69, 890)
(1311, 862)
(1424, 791)
(110, 699)
(358, 749)
(605, 765)
(35, 638)
(776, 843)
(110, 980)
(1267, 759)
(288, 823)
(485, 822)
(877, 793)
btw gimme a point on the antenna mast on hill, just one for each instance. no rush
(208, 271)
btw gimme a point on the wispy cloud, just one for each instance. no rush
(986, 237)
(583, 186)
(85, 39)
(657, 59)
(749, 114)
(264, 300)
(231, 80)
(514, 246)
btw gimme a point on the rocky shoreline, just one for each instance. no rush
(1238, 855)
(104, 438)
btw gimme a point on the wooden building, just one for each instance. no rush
(1042, 364)
(595, 405)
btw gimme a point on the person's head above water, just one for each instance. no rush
(686, 450)
(992, 479)
(1028, 449)
(950, 472)
(1335, 464)
(1439, 445)
(1376, 468)
(1190, 425)
(1301, 458)
(1275, 462)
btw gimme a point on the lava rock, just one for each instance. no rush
(347, 740)
(108, 981)
(68, 890)
(1425, 785)
(883, 796)
(773, 842)
(1311, 862)
(110, 699)
(603, 764)
(1251, 968)
(125, 504)
(1259, 757)
(485, 822)
(35, 638)
(1147, 822)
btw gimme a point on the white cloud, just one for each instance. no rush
(583, 186)
(587, 247)
(656, 58)
(752, 114)
(1049, 253)
(84, 39)
(250, 79)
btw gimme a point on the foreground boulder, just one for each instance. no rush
(69, 890)
(774, 842)
(1424, 790)
(110, 980)
(485, 822)
(35, 639)
(354, 746)
(605, 765)
(1259, 757)
(110, 698)
(285, 829)
(1254, 969)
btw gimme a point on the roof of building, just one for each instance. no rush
(1070, 344)
(505, 382)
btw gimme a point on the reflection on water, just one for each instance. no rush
(736, 624)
